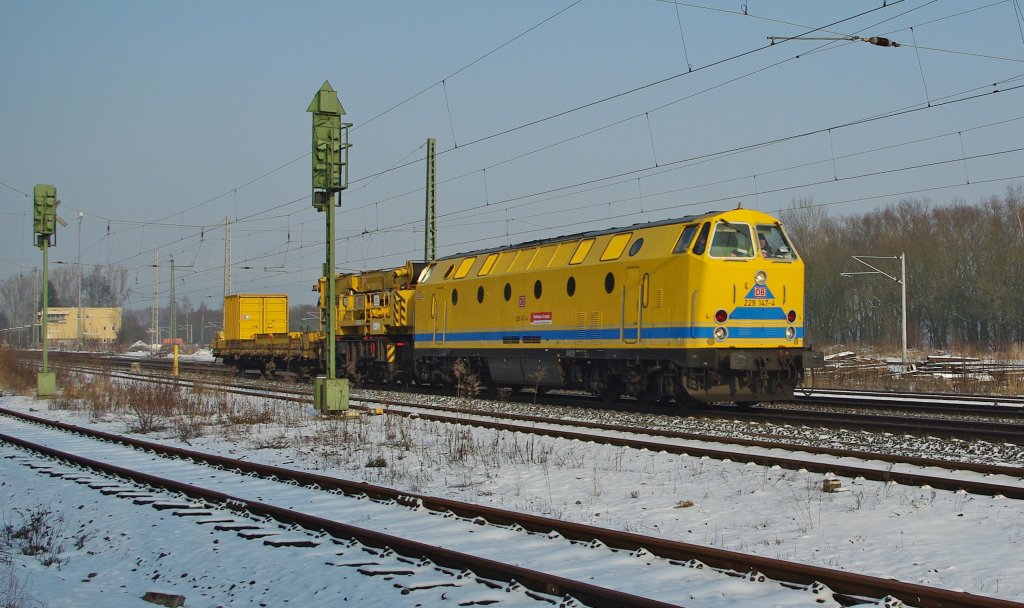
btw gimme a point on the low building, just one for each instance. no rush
(92, 327)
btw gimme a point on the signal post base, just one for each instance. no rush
(46, 385)
(330, 395)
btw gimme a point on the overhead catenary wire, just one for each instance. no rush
(304, 198)
(648, 85)
(669, 103)
(412, 252)
(547, 118)
(711, 155)
(682, 38)
(920, 66)
(1019, 17)
(457, 72)
(446, 214)
(487, 197)
(551, 117)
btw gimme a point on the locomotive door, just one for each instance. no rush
(436, 324)
(632, 306)
(439, 317)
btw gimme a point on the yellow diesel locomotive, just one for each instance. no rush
(705, 308)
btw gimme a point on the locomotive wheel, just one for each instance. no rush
(684, 400)
(648, 395)
(612, 390)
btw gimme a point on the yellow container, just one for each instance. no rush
(246, 315)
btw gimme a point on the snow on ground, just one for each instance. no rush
(920, 535)
(204, 355)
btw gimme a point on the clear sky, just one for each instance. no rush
(158, 120)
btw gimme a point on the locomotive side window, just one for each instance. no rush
(464, 267)
(773, 244)
(488, 264)
(570, 286)
(732, 241)
(480, 294)
(684, 239)
(537, 289)
(635, 248)
(455, 297)
(447, 273)
(702, 240)
(581, 251)
(609, 282)
(508, 292)
(615, 246)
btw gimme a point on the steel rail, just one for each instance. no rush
(792, 463)
(1007, 406)
(542, 582)
(960, 429)
(967, 430)
(850, 585)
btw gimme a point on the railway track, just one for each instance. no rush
(974, 478)
(969, 418)
(442, 531)
(971, 477)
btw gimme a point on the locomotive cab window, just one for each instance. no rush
(732, 241)
(702, 240)
(684, 239)
(773, 244)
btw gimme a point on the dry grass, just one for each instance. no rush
(95, 394)
(16, 373)
(960, 372)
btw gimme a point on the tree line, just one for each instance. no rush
(964, 262)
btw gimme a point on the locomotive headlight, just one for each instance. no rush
(760, 277)
(790, 333)
(721, 333)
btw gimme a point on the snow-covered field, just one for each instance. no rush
(919, 535)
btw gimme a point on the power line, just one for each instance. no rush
(747, 147)
(710, 156)
(553, 116)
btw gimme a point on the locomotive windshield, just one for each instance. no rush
(732, 241)
(773, 243)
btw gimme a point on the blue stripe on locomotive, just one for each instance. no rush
(587, 335)
(755, 313)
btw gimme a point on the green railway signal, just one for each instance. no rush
(44, 209)
(330, 177)
(44, 223)
(330, 143)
